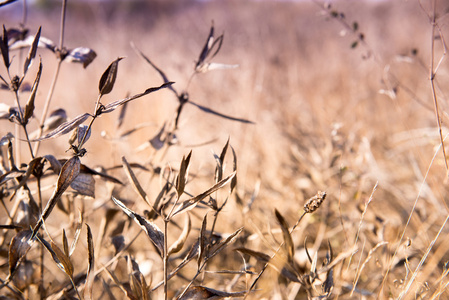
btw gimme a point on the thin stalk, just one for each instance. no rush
(432, 86)
(47, 104)
(56, 75)
(165, 259)
(42, 251)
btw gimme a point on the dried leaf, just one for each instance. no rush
(81, 55)
(79, 225)
(191, 203)
(18, 248)
(213, 112)
(203, 242)
(61, 260)
(177, 246)
(161, 73)
(32, 52)
(223, 244)
(211, 43)
(113, 105)
(64, 128)
(29, 108)
(234, 169)
(56, 118)
(181, 179)
(4, 48)
(79, 133)
(90, 265)
(206, 67)
(65, 243)
(6, 2)
(20, 43)
(84, 184)
(69, 172)
(262, 257)
(153, 232)
(5, 111)
(108, 78)
(288, 241)
(134, 182)
(202, 292)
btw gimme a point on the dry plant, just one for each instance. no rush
(377, 232)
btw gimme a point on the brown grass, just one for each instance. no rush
(324, 122)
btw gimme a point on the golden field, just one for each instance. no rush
(356, 120)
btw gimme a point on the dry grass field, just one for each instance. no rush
(341, 97)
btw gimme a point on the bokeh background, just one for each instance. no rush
(341, 98)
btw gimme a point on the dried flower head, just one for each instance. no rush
(314, 202)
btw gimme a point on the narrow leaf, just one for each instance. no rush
(191, 203)
(56, 118)
(161, 73)
(134, 182)
(69, 172)
(203, 242)
(108, 78)
(288, 241)
(79, 225)
(177, 246)
(4, 48)
(202, 292)
(65, 244)
(62, 259)
(32, 52)
(6, 2)
(223, 244)
(153, 232)
(90, 265)
(18, 248)
(181, 179)
(113, 105)
(29, 108)
(64, 128)
(213, 112)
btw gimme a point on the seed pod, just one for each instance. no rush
(314, 202)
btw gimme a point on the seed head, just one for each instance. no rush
(314, 202)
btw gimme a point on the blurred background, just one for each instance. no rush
(339, 92)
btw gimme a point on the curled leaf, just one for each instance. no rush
(177, 246)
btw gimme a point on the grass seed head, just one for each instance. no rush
(314, 202)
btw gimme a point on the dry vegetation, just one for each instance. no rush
(343, 101)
